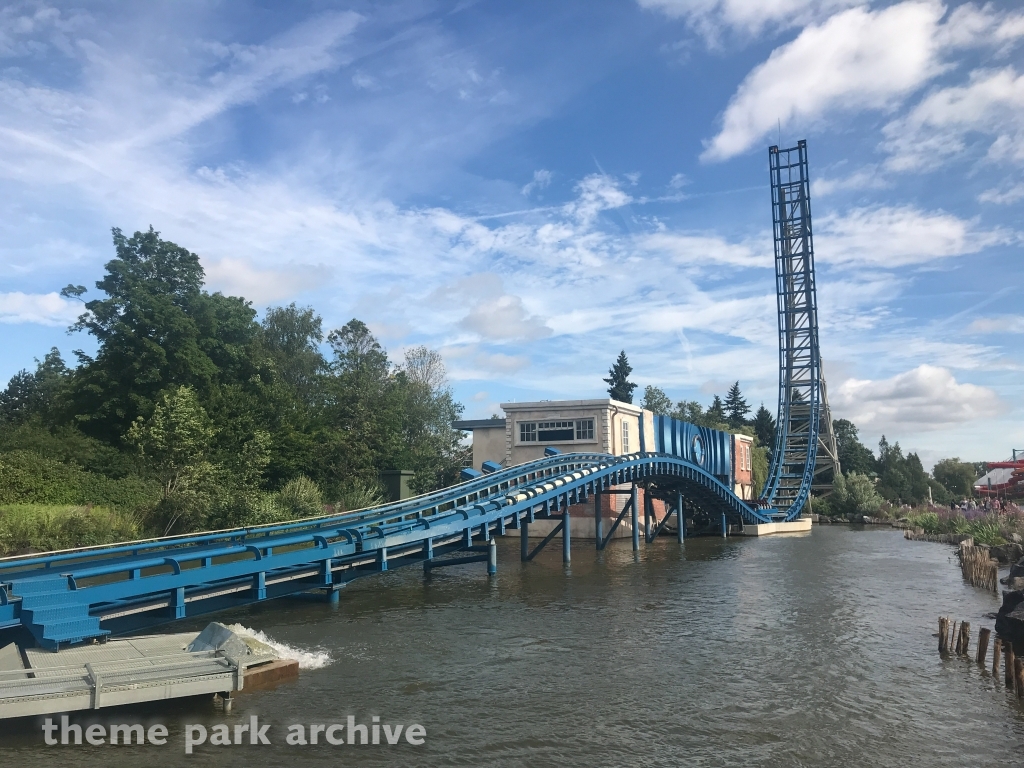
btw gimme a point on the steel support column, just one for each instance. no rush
(680, 519)
(635, 519)
(566, 536)
(598, 526)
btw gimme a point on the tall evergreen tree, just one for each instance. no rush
(716, 412)
(764, 427)
(620, 387)
(736, 408)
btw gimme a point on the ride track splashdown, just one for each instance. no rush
(74, 596)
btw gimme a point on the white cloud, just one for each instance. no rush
(897, 236)
(925, 398)
(992, 104)
(678, 181)
(704, 250)
(541, 180)
(749, 17)
(857, 59)
(41, 308)
(1003, 196)
(237, 277)
(997, 325)
(597, 192)
(864, 178)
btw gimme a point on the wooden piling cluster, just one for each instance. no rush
(977, 567)
(955, 639)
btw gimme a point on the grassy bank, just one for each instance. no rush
(41, 527)
(988, 528)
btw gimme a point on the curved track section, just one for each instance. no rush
(68, 597)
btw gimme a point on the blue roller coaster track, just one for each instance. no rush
(73, 596)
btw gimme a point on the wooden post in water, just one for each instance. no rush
(965, 638)
(983, 635)
(1018, 677)
(997, 647)
(954, 638)
(943, 635)
(1009, 670)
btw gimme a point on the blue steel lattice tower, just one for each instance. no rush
(800, 386)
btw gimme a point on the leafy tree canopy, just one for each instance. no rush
(656, 401)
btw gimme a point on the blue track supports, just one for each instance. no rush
(648, 513)
(566, 537)
(725, 526)
(598, 527)
(524, 540)
(304, 555)
(680, 519)
(492, 557)
(634, 519)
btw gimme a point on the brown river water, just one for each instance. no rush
(802, 650)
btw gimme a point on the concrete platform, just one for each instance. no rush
(122, 672)
(801, 525)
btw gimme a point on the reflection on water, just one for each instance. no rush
(812, 650)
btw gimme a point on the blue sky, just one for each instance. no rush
(530, 187)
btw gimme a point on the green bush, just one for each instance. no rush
(300, 497)
(27, 477)
(854, 494)
(42, 528)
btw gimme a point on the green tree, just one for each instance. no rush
(619, 386)
(853, 455)
(174, 444)
(764, 427)
(432, 447)
(156, 328)
(956, 476)
(715, 413)
(35, 395)
(656, 401)
(854, 494)
(902, 479)
(736, 408)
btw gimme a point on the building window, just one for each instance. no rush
(579, 430)
(585, 429)
(625, 436)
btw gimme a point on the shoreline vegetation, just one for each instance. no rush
(191, 414)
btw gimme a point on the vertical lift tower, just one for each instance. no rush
(805, 445)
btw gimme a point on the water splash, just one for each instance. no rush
(306, 659)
